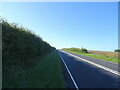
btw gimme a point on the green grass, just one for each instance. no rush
(46, 74)
(111, 59)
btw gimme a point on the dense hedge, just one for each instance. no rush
(21, 46)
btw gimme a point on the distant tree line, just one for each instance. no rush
(20, 46)
(117, 50)
(83, 50)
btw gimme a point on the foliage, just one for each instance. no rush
(117, 50)
(47, 73)
(76, 49)
(84, 50)
(20, 47)
(103, 57)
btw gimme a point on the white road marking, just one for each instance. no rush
(98, 65)
(69, 73)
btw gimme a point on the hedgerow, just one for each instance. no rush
(20, 47)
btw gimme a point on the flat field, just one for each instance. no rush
(105, 53)
(108, 56)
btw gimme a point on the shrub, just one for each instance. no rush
(84, 50)
(117, 50)
(21, 46)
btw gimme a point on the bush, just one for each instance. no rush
(21, 46)
(84, 50)
(117, 50)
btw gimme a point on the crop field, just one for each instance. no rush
(109, 54)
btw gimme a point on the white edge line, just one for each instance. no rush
(69, 72)
(98, 65)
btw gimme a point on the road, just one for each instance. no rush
(87, 75)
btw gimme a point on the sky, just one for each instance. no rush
(91, 25)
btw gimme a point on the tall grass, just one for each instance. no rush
(47, 73)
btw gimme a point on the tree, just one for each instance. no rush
(84, 50)
(117, 50)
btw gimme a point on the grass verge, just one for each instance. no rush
(111, 59)
(46, 74)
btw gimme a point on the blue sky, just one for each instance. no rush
(92, 25)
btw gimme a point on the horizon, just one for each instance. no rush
(91, 25)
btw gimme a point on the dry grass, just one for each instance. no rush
(109, 54)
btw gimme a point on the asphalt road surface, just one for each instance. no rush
(87, 75)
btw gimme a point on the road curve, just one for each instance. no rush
(87, 75)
